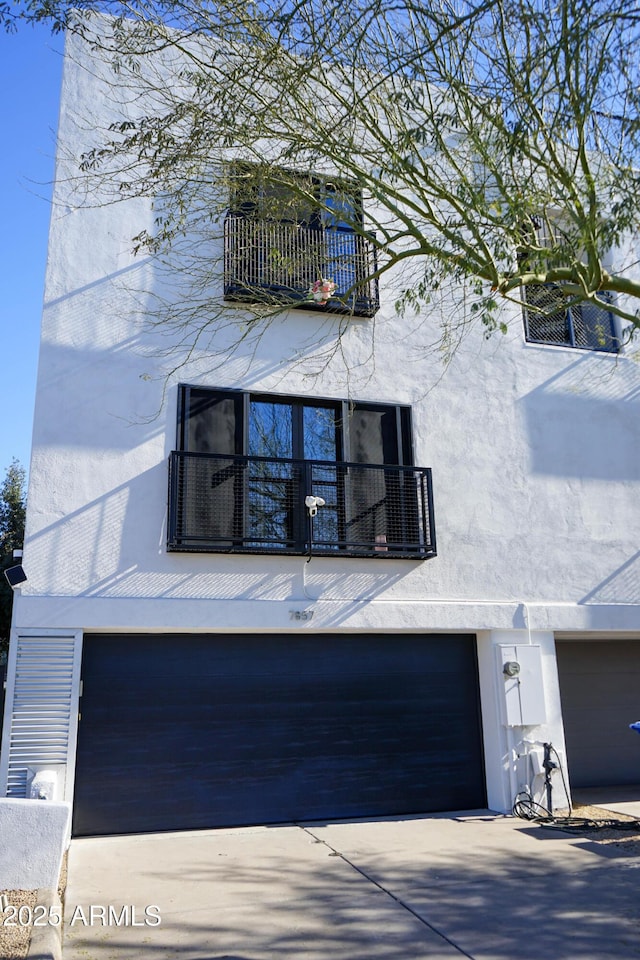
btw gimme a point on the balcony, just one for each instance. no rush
(234, 504)
(272, 262)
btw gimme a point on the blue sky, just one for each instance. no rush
(30, 72)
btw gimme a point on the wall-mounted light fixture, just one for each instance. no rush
(15, 575)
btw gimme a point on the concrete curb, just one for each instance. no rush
(46, 939)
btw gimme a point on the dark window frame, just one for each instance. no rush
(567, 325)
(274, 255)
(243, 398)
(229, 497)
(240, 206)
(581, 326)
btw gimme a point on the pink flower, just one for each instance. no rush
(322, 290)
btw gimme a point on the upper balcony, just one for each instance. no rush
(268, 261)
(248, 504)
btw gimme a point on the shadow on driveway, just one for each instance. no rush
(437, 887)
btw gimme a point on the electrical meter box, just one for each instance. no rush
(521, 675)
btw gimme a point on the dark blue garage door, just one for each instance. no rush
(181, 732)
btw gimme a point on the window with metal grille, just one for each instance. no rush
(548, 319)
(282, 237)
(247, 462)
(549, 314)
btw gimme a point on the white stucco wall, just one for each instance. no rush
(535, 452)
(33, 837)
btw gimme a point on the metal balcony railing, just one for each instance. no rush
(271, 262)
(257, 505)
(548, 319)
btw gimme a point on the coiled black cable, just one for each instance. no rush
(526, 808)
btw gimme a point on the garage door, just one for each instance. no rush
(183, 732)
(600, 693)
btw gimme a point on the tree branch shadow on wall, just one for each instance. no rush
(580, 424)
(622, 586)
(114, 546)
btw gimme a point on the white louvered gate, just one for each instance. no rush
(41, 709)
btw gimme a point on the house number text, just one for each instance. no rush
(300, 614)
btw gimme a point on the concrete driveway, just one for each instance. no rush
(439, 887)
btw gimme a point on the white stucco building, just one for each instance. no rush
(192, 649)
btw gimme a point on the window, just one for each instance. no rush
(247, 462)
(282, 237)
(548, 318)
